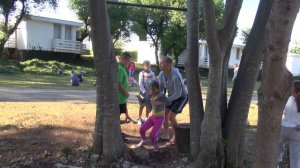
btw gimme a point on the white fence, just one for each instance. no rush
(11, 43)
(68, 46)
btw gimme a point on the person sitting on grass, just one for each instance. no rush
(158, 101)
(80, 77)
(74, 79)
(146, 76)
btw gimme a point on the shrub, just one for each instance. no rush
(49, 55)
(51, 67)
(296, 78)
(9, 66)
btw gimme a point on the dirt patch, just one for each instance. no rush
(42, 134)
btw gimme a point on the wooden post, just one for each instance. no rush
(182, 132)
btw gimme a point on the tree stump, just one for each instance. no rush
(182, 132)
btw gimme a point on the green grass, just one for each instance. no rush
(43, 81)
(37, 66)
(9, 66)
(42, 74)
(47, 81)
(204, 85)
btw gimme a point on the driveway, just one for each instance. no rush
(14, 94)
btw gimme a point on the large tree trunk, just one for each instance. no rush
(276, 81)
(85, 32)
(223, 106)
(193, 81)
(211, 153)
(211, 148)
(236, 117)
(107, 137)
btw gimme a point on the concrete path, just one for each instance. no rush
(15, 94)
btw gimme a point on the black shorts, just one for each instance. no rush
(123, 108)
(178, 105)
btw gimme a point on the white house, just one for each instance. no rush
(47, 34)
(235, 55)
(292, 63)
(146, 51)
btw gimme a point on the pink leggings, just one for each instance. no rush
(156, 122)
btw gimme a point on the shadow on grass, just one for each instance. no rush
(47, 145)
(42, 145)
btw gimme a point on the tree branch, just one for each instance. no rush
(231, 14)
(10, 31)
(208, 8)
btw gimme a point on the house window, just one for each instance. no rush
(68, 33)
(238, 53)
(57, 31)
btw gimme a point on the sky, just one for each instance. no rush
(247, 15)
(245, 20)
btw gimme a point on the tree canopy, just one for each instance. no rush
(296, 49)
(119, 19)
(174, 40)
(245, 35)
(150, 22)
(9, 10)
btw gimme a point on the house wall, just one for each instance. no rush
(145, 52)
(203, 54)
(88, 42)
(21, 36)
(293, 63)
(235, 56)
(39, 35)
(73, 33)
(234, 59)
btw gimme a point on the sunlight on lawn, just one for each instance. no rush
(77, 115)
(253, 114)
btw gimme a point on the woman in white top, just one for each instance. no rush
(290, 128)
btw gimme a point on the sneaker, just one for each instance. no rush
(139, 121)
(127, 120)
(140, 143)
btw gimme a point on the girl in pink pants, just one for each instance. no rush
(158, 102)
